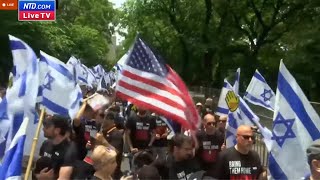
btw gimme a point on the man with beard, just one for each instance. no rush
(181, 163)
(58, 149)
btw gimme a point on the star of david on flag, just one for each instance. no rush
(296, 125)
(287, 124)
(59, 92)
(241, 114)
(259, 92)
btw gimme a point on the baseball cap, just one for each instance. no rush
(313, 151)
(199, 104)
(209, 102)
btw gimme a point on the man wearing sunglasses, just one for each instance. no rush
(240, 161)
(210, 143)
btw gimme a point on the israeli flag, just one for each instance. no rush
(22, 54)
(12, 110)
(11, 165)
(105, 83)
(222, 108)
(73, 61)
(259, 92)
(295, 126)
(83, 76)
(99, 71)
(17, 108)
(60, 93)
(244, 116)
(92, 78)
(237, 82)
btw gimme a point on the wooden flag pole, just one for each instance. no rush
(34, 144)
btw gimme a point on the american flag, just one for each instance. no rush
(148, 82)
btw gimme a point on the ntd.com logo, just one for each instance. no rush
(35, 10)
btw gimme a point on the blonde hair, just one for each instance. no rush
(102, 155)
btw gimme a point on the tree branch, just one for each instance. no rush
(238, 25)
(257, 13)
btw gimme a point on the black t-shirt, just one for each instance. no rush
(61, 155)
(80, 141)
(82, 170)
(209, 148)
(161, 128)
(141, 129)
(182, 169)
(119, 121)
(232, 164)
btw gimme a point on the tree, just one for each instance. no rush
(82, 29)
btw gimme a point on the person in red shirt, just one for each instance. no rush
(210, 142)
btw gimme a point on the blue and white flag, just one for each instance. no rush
(105, 82)
(11, 165)
(295, 126)
(92, 78)
(22, 54)
(259, 92)
(222, 108)
(244, 116)
(239, 113)
(73, 61)
(83, 76)
(98, 71)
(237, 82)
(60, 94)
(17, 108)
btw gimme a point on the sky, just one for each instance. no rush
(117, 3)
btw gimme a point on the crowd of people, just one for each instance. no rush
(93, 145)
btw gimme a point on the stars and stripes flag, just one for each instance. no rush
(148, 82)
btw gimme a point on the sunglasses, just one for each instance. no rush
(246, 137)
(211, 123)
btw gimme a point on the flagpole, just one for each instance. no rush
(34, 144)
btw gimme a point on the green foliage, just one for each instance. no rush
(206, 41)
(82, 29)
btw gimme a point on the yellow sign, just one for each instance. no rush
(232, 101)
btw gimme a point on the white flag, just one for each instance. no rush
(259, 92)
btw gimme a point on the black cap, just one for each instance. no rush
(313, 151)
